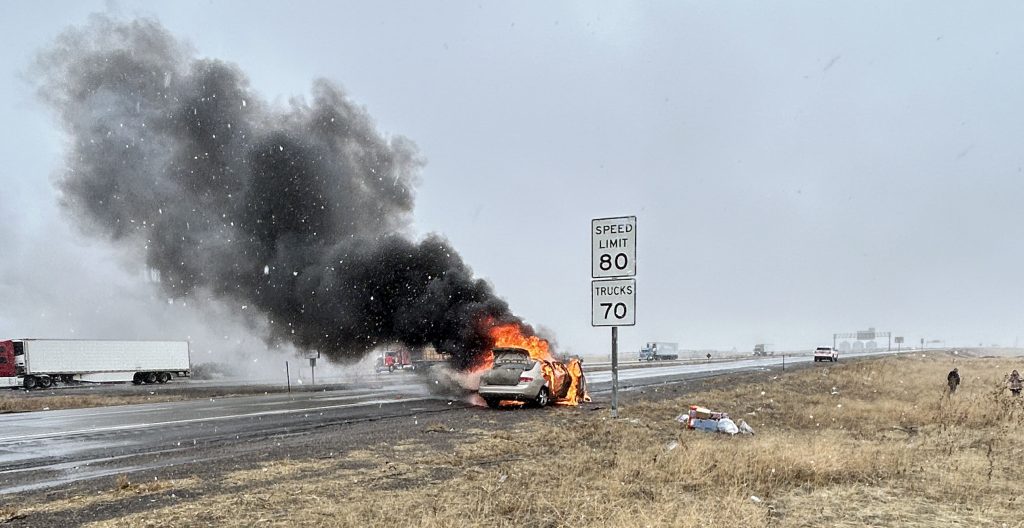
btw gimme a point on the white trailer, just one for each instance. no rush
(659, 351)
(32, 363)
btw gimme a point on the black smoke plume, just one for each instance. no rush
(301, 212)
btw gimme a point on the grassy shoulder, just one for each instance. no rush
(83, 396)
(16, 401)
(866, 443)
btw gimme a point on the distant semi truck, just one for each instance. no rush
(659, 351)
(41, 363)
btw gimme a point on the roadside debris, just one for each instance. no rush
(727, 426)
(705, 419)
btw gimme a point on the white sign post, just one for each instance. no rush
(613, 256)
(312, 356)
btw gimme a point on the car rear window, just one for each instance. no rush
(505, 357)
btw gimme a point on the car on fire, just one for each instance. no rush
(517, 377)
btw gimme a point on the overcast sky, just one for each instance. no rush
(796, 169)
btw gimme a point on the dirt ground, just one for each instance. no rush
(861, 443)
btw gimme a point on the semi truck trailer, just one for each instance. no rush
(41, 363)
(659, 351)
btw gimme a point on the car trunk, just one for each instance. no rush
(508, 366)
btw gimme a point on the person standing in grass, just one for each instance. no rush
(1015, 383)
(953, 380)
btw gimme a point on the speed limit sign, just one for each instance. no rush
(613, 251)
(613, 299)
(613, 302)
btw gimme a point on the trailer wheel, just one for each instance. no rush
(149, 377)
(30, 382)
(45, 382)
(163, 377)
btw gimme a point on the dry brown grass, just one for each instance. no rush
(123, 487)
(873, 443)
(16, 401)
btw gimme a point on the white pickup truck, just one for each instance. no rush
(826, 354)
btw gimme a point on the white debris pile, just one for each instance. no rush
(704, 419)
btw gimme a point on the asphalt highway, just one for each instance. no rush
(51, 448)
(601, 380)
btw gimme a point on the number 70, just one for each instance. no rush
(616, 309)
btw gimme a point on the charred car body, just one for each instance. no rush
(515, 376)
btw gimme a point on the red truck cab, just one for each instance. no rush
(8, 363)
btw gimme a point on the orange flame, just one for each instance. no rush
(555, 371)
(510, 335)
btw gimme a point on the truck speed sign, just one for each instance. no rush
(613, 252)
(613, 302)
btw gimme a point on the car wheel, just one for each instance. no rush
(543, 397)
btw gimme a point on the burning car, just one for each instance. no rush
(519, 376)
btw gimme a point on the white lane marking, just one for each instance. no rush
(195, 403)
(207, 419)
